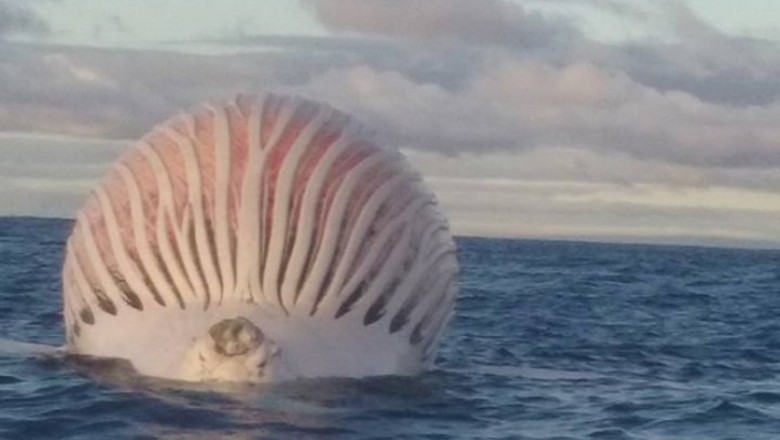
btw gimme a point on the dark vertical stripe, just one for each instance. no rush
(417, 334)
(422, 287)
(196, 261)
(346, 306)
(86, 315)
(178, 260)
(212, 244)
(377, 309)
(147, 280)
(104, 302)
(168, 278)
(128, 295)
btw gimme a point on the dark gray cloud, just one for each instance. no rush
(627, 9)
(116, 93)
(520, 103)
(700, 59)
(484, 21)
(703, 61)
(122, 93)
(444, 63)
(747, 72)
(16, 17)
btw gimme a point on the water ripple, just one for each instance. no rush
(551, 341)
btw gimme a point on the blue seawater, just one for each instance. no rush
(552, 340)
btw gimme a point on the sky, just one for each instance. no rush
(646, 121)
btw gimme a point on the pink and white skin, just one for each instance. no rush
(260, 239)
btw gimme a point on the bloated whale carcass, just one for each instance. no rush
(260, 239)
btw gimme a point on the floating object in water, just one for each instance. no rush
(260, 240)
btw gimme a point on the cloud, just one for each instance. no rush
(707, 100)
(499, 100)
(536, 193)
(50, 175)
(574, 210)
(118, 93)
(441, 98)
(625, 9)
(17, 18)
(520, 132)
(702, 61)
(519, 103)
(484, 21)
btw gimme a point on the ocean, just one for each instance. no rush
(551, 340)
